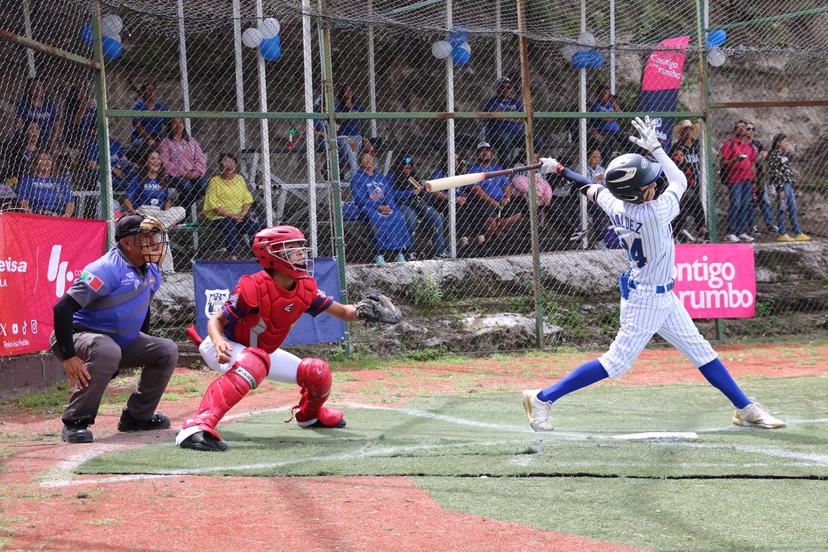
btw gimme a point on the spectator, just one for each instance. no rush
(35, 107)
(606, 133)
(101, 326)
(374, 195)
(147, 132)
(146, 196)
(782, 178)
(41, 192)
(504, 134)
(184, 163)
(227, 206)
(738, 159)
(685, 139)
(761, 195)
(79, 118)
(123, 171)
(349, 133)
(414, 201)
(543, 192)
(491, 201)
(464, 223)
(597, 217)
(19, 152)
(320, 136)
(691, 202)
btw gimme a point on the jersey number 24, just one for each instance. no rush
(635, 251)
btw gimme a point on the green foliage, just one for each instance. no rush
(426, 355)
(427, 292)
(764, 308)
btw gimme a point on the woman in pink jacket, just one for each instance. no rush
(184, 163)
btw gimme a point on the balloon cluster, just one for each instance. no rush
(581, 55)
(266, 38)
(111, 27)
(457, 46)
(715, 56)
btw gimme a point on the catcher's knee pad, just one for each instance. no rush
(314, 377)
(249, 370)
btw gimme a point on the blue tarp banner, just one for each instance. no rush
(214, 280)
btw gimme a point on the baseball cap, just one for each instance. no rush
(483, 145)
(128, 225)
(502, 80)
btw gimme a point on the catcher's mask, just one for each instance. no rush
(283, 248)
(151, 232)
(628, 174)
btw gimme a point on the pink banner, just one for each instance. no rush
(40, 258)
(665, 65)
(716, 280)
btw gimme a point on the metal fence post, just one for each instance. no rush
(104, 162)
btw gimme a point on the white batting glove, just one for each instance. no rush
(646, 138)
(550, 165)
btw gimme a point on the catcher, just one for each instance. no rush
(245, 335)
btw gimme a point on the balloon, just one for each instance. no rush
(568, 51)
(112, 48)
(270, 28)
(587, 60)
(86, 33)
(586, 38)
(458, 36)
(461, 54)
(716, 38)
(111, 25)
(252, 37)
(716, 57)
(441, 49)
(271, 48)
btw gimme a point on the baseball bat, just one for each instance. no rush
(440, 184)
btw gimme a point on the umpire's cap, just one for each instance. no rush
(132, 225)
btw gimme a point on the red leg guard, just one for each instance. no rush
(250, 369)
(314, 378)
(193, 335)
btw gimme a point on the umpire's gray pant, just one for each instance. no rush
(104, 358)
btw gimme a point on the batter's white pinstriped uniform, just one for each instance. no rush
(646, 233)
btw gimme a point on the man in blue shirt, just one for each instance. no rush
(490, 201)
(147, 132)
(101, 326)
(606, 133)
(504, 134)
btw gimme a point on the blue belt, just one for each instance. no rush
(658, 289)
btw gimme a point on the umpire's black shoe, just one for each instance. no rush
(76, 433)
(128, 423)
(204, 442)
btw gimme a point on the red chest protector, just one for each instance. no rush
(278, 309)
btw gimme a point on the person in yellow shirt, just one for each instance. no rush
(227, 206)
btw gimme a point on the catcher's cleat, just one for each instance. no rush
(324, 417)
(128, 423)
(756, 415)
(204, 442)
(537, 410)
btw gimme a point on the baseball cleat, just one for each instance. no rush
(537, 410)
(784, 238)
(756, 415)
(802, 237)
(204, 442)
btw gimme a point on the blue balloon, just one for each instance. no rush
(112, 48)
(716, 38)
(271, 48)
(86, 33)
(460, 56)
(587, 60)
(458, 36)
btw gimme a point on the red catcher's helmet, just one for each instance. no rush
(274, 247)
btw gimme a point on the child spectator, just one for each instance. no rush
(41, 192)
(349, 132)
(782, 177)
(227, 206)
(184, 163)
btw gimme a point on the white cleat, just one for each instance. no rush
(756, 415)
(537, 410)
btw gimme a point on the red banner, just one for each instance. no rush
(40, 258)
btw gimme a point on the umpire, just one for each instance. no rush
(101, 326)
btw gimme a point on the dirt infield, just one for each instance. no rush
(328, 513)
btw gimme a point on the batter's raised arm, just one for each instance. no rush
(647, 139)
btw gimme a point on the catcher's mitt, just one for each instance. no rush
(376, 307)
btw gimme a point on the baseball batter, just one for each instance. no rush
(642, 198)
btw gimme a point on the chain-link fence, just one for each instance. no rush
(419, 90)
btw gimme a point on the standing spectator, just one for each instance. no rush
(80, 114)
(413, 201)
(761, 195)
(146, 196)
(504, 134)
(691, 205)
(184, 163)
(349, 132)
(147, 132)
(34, 106)
(102, 325)
(605, 133)
(41, 192)
(738, 159)
(685, 139)
(782, 178)
(491, 200)
(227, 206)
(374, 195)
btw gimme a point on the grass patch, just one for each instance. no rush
(51, 397)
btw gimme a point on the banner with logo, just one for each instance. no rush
(40, 258)
(661, 80)
(716, 280)
(214, 280)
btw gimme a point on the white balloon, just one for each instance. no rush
(568, 51)
(587, 38)
(270, 28)
(716, 57)
(111, 25)
(441, 49)
(252, 37)
(466, 46)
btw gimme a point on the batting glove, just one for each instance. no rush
(646, 138)
(550, 165)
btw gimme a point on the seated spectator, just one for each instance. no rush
(146, 196)
(782, 178)
(504, 134)
(34, 106)
(605, 134)
(227, 206)
(490, 201)
(374, 195)
(349, 132)
(184, 163)
(41, 192)
(122, 170)
(80, 114)
(147, 132)
(543, 192)
(691, 203)
(19, 152)
(414, 202)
